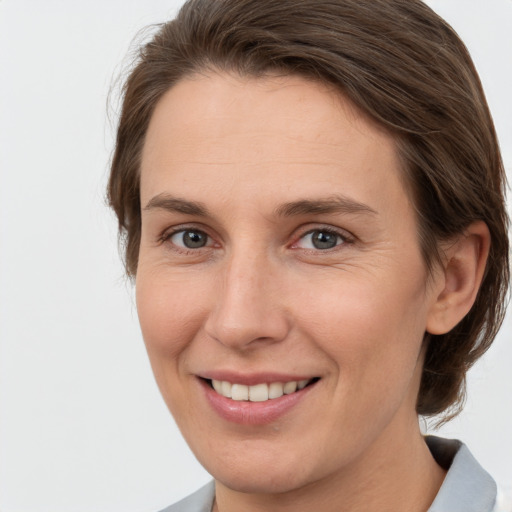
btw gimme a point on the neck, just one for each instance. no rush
(396, 473)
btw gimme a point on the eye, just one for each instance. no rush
(320, 239)
(190, 239)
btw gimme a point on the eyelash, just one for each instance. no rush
(166, 237)
(343, 237)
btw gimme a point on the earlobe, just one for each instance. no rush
(460, 278)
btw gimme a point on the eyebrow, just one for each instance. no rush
(175, 204)
(331, 205)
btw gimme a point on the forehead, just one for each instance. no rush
(219, 130)
(275, 103)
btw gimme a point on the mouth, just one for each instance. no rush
(255, 399)
(259, 392)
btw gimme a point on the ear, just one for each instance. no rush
(459, 279)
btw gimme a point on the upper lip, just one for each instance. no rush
(251, 379)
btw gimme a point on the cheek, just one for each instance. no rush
(170, 313)
(369, 327)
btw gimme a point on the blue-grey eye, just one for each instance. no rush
(320, 239)
(190, 239)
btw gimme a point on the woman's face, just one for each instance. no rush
(278, 246)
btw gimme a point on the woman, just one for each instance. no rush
(312, 200)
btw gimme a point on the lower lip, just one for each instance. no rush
(253, 413)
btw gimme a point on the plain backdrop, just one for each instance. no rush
(82, 425)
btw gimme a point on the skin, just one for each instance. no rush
(259, 296)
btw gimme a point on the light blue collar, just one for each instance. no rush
(467, 486)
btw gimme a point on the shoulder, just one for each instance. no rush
(199, 501)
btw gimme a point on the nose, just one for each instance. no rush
(249, 309)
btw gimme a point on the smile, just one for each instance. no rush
(259, 392)
(255, 399)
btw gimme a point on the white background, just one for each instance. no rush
(82, 426)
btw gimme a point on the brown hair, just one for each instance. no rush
(399, 63)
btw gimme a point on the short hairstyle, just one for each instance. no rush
(399, 63)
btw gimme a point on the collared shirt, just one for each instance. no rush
(467, 487)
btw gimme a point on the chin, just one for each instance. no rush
(264, 481)
(273, 473)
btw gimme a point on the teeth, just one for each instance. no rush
(290, 387)
(275, 390)
(239, 392)
(302, 383)
(259, 392)
(225, 389)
